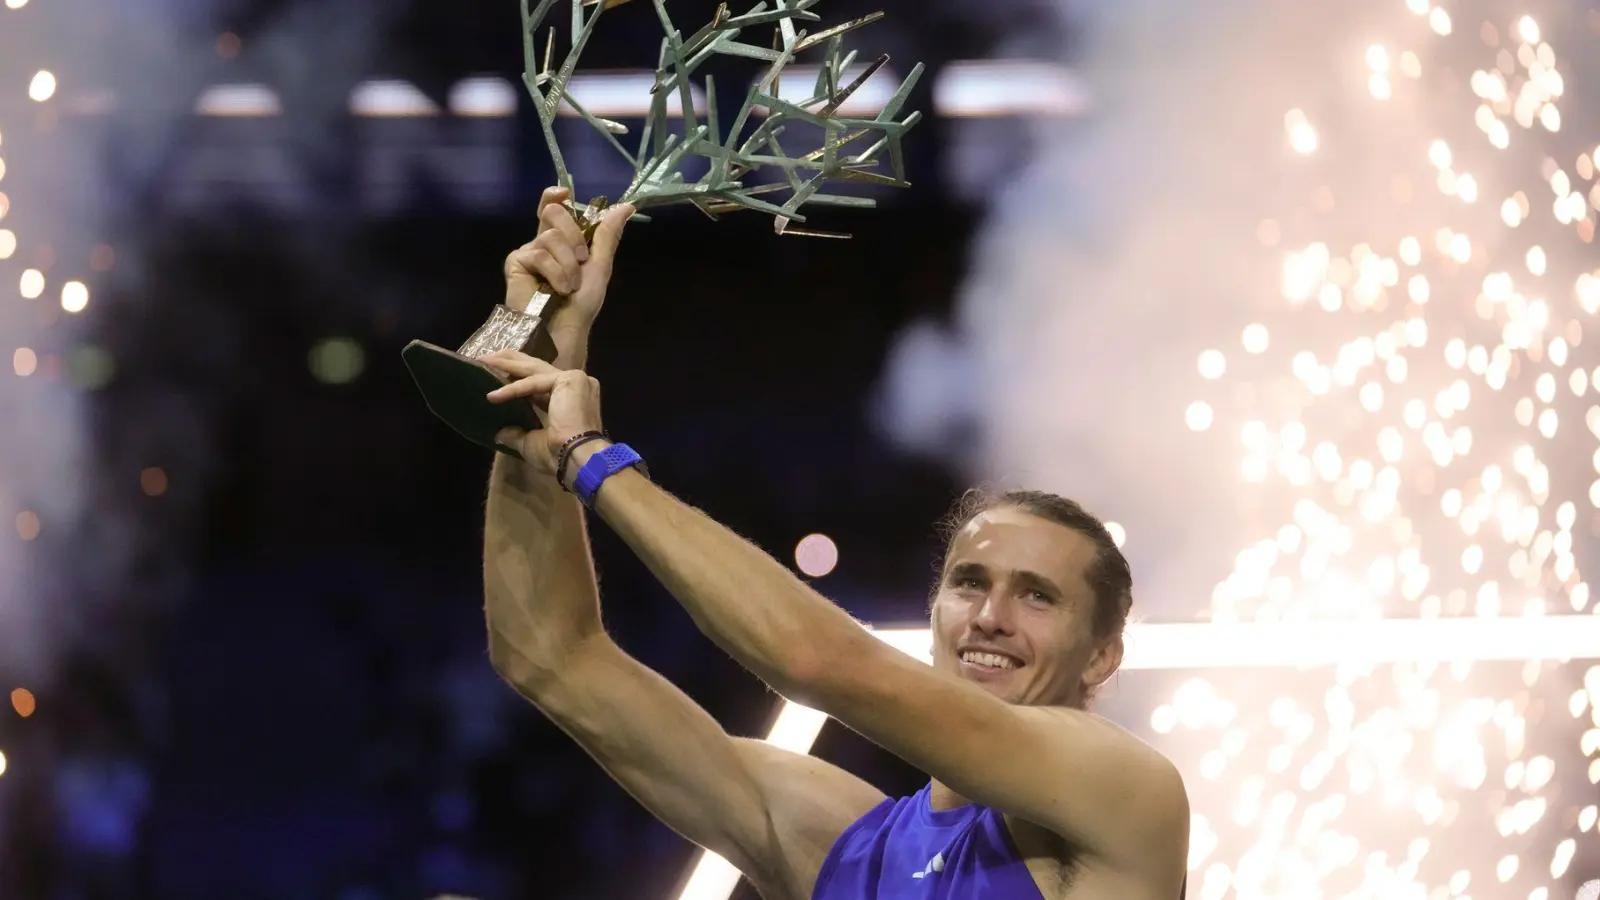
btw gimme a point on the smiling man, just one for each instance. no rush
(1031, 796)
(1054, 645)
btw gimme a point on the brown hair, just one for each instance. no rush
(1108, 575)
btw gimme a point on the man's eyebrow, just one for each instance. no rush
(968, 568)
(1039, 581)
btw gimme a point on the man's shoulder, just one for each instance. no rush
(810, 803)
(1127, 747)
(1149, 801)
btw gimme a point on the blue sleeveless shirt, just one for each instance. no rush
(906, 850)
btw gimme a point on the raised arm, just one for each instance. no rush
(772, 813)
(1066, 770)
(540, 595)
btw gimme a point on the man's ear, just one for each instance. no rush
(1104, 663)
(933, 627)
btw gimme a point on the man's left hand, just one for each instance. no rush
(569, 400)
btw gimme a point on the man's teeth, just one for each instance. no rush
(993, 661)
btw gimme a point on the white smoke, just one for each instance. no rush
(1106, 266)
(125, 111)
(43, 440)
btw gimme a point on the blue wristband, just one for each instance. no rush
(603, 465)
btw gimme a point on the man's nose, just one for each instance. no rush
(995, 615)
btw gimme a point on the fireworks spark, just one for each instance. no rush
(1421, 436)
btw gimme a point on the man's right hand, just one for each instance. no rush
(561, 258)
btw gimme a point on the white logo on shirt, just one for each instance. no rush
(935, 866)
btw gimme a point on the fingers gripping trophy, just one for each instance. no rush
(455, 384)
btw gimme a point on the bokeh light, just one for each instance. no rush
(1119, 534)
(153, 481)
(90, 367)
(816, 555)
(1302, 137)
(32, 284)
(337, 360)
(22, 700)
(102, 257)
(42, 86)
(74, 297)
(1255, 338)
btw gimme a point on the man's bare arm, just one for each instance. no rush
(540, 594)
(773, 814)
(1066, 770)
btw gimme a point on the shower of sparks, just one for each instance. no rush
(1426, 449)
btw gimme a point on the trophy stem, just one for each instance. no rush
(455, 384)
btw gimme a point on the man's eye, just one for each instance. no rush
(1040, 596)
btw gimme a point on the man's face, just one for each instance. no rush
(1014, 613)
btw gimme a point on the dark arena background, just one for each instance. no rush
(1302, 296)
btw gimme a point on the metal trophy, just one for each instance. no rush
(454, 384)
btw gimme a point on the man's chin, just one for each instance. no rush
(1012, 688)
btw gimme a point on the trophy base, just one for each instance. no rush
(455, 389)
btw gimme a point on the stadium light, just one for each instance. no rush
(963, 90)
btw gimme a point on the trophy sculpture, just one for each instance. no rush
(454, 384)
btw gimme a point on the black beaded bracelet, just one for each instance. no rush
(572, 444)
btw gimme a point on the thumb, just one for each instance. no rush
(509, 442)
(603, 249)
